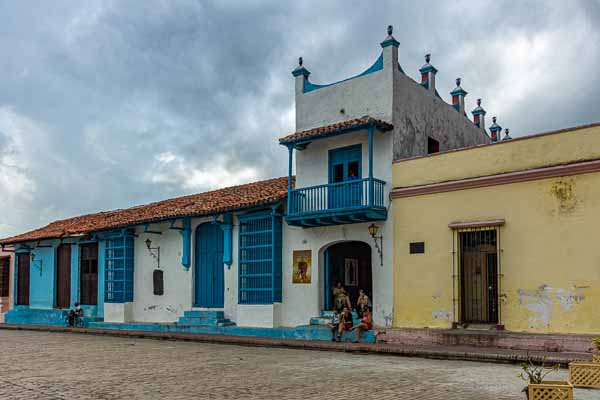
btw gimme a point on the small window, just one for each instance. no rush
(159, 282)
(433, 146)
(417, 248)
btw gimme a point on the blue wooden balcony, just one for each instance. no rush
(352, 201)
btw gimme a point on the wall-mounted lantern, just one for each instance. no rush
(154, 252)
(158, 275)
(378, 240)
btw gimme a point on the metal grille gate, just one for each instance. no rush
(478, 276)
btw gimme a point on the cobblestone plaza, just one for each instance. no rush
(38, 365)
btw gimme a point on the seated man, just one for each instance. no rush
(366, 323)
(345, 323)
(75, 315)
(335, 321)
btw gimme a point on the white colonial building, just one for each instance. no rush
(266, 254)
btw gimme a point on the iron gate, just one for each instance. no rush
(479, 276)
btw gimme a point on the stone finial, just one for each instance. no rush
(300, 61)
(458, 82)
(390, 40)
(478, 102)
(494, 120)
(427, 58)
(506, 134)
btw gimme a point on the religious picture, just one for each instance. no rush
(302, 266)
(351, 266)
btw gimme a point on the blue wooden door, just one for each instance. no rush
(345, 177)
(209, 268)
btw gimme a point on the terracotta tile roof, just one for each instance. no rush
(324, 131)
(227, 199)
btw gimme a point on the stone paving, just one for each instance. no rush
(40, 365)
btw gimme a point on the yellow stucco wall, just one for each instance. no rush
(516, 155)
(550, 256)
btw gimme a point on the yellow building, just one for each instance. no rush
(502, 234)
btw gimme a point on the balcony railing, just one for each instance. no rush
(330, 198)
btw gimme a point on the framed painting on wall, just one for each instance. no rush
(351, 269)
(302, 266)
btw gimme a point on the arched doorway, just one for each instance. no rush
(208, 267)
(350, 264)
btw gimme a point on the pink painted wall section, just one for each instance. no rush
(6, 303)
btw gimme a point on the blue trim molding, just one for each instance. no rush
(186, 243)
(309, 87)
(227, 228)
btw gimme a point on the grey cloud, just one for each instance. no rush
(110, 85)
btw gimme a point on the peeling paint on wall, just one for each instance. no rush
(441, 314)
(541, 301)
(563, 191)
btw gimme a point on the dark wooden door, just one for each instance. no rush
(63, 276)
(4, 276)
(88, 273)
(23, 279)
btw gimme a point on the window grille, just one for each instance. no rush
(4, 276)
(119, 269)
(260, 259)
(477, 275)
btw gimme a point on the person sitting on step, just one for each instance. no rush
(341, 298)
(366, 324)
(362, 302)
(75, 315)
(335, 321)
(345, 323)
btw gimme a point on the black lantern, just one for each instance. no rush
(378, 240)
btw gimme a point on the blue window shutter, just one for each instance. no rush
(260, 258)
(118, 282)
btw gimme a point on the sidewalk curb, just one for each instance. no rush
(464, 353)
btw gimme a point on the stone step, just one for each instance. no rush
(309, 332)
(204, 314)
(202, 321)
(547, 342)
(329, 314)
(327, 320)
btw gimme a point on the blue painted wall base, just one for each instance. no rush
(215, 323)
(36, 316)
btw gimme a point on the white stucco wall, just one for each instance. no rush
(119, 312)
(303, 301)
(179, 285)
(148, 307)
(367, 95)
(259, 315)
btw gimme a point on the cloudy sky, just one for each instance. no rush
(107, 104)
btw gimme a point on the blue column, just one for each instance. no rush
(327, 283)
(186, 242)
(15, 274)
(290, 158)
(371, 186)
(74, 274)
(227, 227)
(101, 277)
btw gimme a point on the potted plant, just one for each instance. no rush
(538, 388)
(596, 357)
